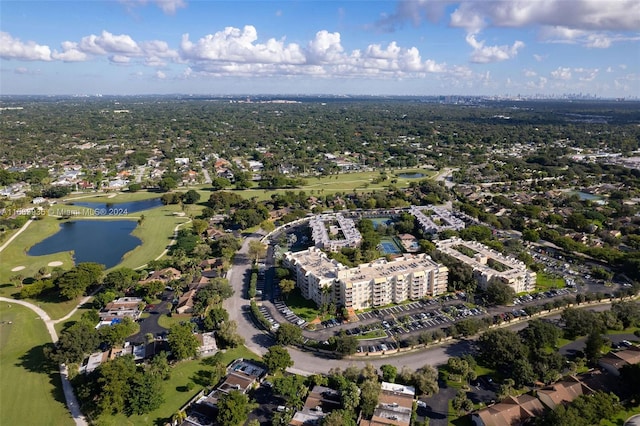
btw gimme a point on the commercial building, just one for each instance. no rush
(489, 264)
(379, 283)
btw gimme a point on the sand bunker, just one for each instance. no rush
(18, 268)
(55, 263)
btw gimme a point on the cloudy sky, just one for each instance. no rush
(359, 47)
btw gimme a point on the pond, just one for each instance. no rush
(101, 241)
(584, 196)
(411, 175)
(119, 209)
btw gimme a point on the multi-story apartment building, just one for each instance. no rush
(323, 240)
(378, 283)
(489, 264)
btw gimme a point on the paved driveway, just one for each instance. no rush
(150, 324)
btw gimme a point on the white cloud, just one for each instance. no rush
(530, 73)
(169, 7)
(13, 48)
(119, 48)
(586, 74)
(540, 84)
(618, 15)
(539, 58)
(120, 59)
(238, 52)
(591, 39)
(485, 54)
(160, 75)
(25, 71)
(592, 23)
(325, 48)
(561, 73)
(70, 53)
(235, 45)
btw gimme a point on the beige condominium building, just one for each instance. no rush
(489, 264)
(379, 283)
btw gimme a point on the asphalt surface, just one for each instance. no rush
(150, 324)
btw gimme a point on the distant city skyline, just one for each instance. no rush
(407, 47)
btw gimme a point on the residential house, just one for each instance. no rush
(165, 276)
(186, 302)
(241, 376)
(614, 361)
(563, 391)
(395, 405)
(122, 307)
(208, 345)
(320, 402)
(509, 412)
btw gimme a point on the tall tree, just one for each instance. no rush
(288, 334)
(425, 379)
(369, 393)
(182, 341)
(277, 359)
(233, 408)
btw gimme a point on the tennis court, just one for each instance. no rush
(390, 247)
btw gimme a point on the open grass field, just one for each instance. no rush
(174, 393)
(29, 394)
(344, 182)
(546, 282)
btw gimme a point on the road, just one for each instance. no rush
(69, 395)
(238, 306)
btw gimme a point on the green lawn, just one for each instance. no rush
(120, 197)
(174, 394)
(167, 321)
(30, 394)
(546, 282)
(15, 254)
(305, 309)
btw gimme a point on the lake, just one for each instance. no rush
(119, 209)
(411, 175)
(101, 241)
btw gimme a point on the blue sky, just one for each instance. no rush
(416, 47)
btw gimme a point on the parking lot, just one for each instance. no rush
(288, 314)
